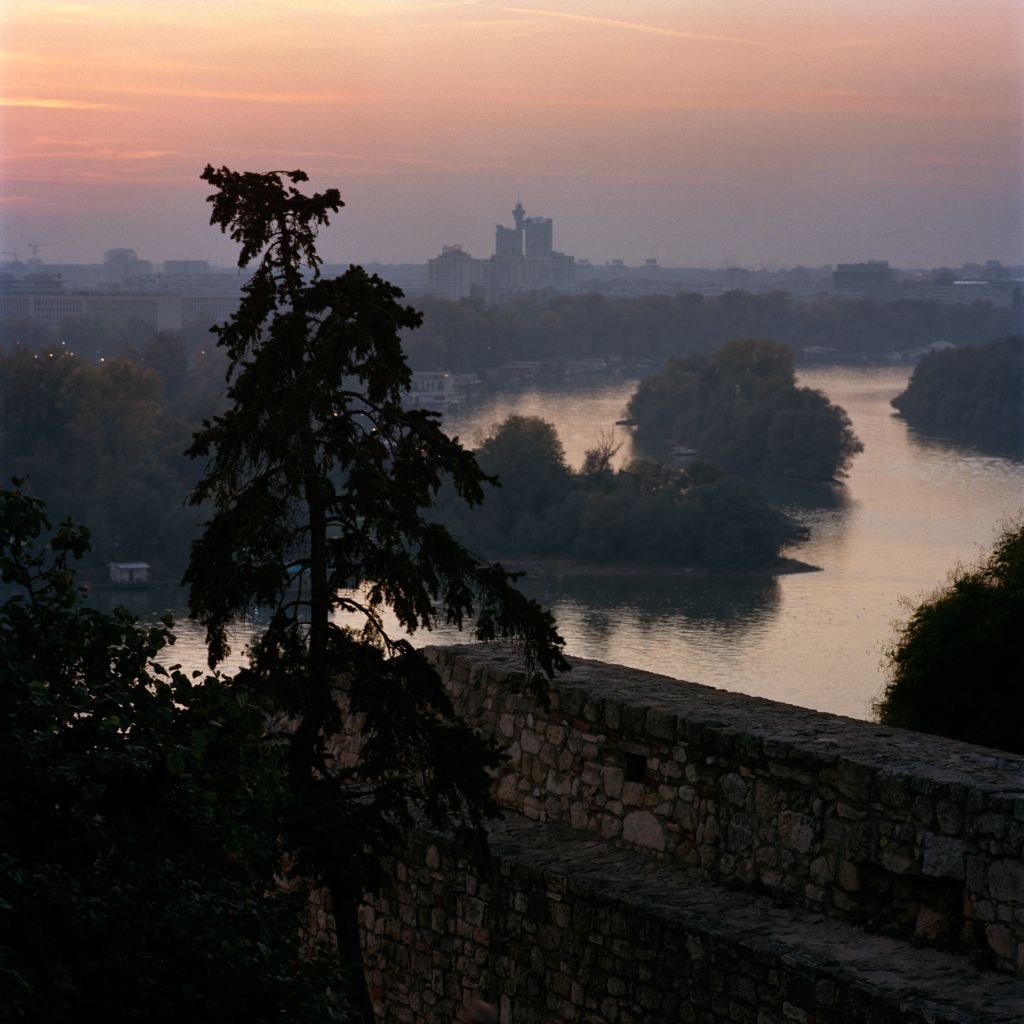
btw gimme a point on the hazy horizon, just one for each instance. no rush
(698, 135)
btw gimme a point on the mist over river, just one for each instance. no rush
(911, 508)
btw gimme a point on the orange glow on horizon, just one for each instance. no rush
(398, 101)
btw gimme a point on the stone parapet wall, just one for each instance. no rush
(561, 927)
(907, 834)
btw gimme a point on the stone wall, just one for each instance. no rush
(906, 834)
(561, 927)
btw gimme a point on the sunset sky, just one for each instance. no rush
(696, 132)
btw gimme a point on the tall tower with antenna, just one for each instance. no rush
(519, 216)
(509, 241)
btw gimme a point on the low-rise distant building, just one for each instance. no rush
(158, 303)
(456, 275)
(129, 574)
(123, 265)
(872, 277)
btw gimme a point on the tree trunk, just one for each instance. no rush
(345, 900)
(320, 606)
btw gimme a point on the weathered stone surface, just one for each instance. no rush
(576, 930)
(855, 821)
(612, 779)
(943, 856)
(643, 829)
(1006, 880)
(796, 831)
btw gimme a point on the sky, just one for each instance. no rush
(694, 132)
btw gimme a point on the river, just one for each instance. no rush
(911, 509)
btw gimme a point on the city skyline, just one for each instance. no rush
(697, 134)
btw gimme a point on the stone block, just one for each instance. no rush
(854, 780)
(976, 874)
(943, 857)
(796, 831)
(849, 813)
(660, 724)
(633, 718)
(820, 871)
(685, 816)
(555, 734)
(950, 817)
(848, 876)
(612, 779)
(739, 836)
(1001, 941)
(1006, 881)
(632, 793)
(734, 789)
(990, 824)
(507, 790)
(558, 784)
(612, 715)
(643, 829)
(898, 859)
(530, 741)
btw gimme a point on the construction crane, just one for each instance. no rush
(36, 246)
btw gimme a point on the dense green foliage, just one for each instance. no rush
(317, 479)
(645, 514)
(104, 440)
(974, 393)
(957, 666)
(139, 818)
(741, 408)
(469, 336)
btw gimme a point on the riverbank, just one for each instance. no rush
(564, 568)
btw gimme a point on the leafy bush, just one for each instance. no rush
(139, 825)
(957, 666)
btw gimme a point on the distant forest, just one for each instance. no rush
(103, 440)
(973, 394)
(97, 418)
(466, 336)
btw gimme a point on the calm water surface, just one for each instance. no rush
(910, 510)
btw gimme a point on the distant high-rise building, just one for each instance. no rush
(539, 235)
(523, 260)
(509, 241)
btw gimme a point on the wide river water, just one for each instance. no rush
(910, 510)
